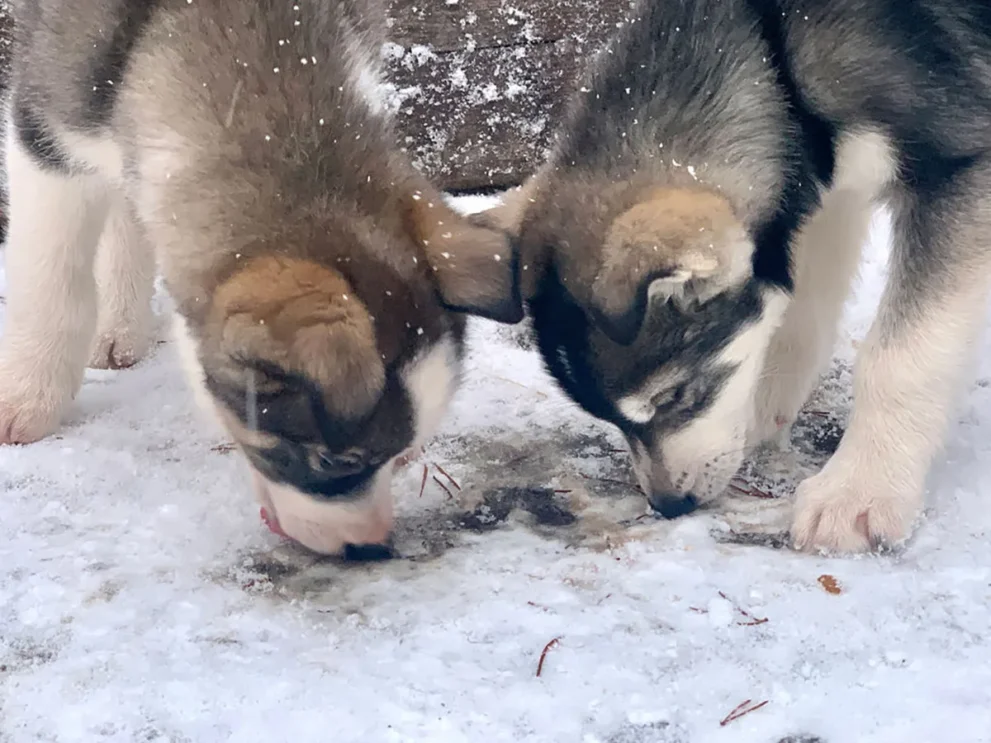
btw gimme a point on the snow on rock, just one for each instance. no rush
(473, 86)
(141, 599)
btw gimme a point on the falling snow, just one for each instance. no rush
(142, 600)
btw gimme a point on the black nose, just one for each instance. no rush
(368, 552)
(673, 505)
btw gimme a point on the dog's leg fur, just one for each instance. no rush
(55, 222)
(830, 248)
(908, 372)
(826, 257)
(125, 277)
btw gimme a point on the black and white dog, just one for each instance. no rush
(694, 235)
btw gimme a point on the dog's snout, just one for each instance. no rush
(361, 529)
(369, 552)
(672, 505)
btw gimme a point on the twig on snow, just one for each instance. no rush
(743, 708)
(543, 654)
(423, 482)
(451, 479)
(537, 606)
(612, 481)
(444, 487)
(750, 490)
(753, 621)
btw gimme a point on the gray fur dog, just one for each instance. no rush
(318, 278)
(694, 235)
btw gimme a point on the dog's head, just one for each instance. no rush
(328, 354)
(648, 314)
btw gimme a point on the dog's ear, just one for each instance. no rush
(296, 318)
(475, 263)
(509, 213)
(678, 244)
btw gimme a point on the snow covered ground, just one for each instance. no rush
(141, 599)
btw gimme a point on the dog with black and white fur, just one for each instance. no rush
(696, 230)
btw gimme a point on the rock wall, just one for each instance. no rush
(477, 85)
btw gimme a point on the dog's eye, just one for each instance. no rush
(341, 464)
(668, 398)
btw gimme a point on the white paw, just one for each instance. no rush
(27, 413)
(25, 422)
(408, 456)
(120, 346)
(791, 372)
(849, 511)
(772, 423)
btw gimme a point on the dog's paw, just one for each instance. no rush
(776, 408)
(791, 371)
(856, 512)
(31, 402)
(408, 456)
(25, 419)
(121, 346)
(772, 428)
(775, 412)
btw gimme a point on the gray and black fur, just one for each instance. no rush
(755, 100)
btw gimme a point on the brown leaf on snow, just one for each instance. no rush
(830, 584)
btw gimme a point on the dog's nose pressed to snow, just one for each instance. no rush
(320, 281)
(673, 505)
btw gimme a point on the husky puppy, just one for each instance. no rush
(316, 275)
(695, 233)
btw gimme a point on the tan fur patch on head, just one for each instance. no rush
(675, 234)
(303, 317)
(674, 242)
(684, 229)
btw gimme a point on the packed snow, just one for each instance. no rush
(141, 598)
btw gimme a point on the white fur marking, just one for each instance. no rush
(366, 73)
(431, 381)
(701, 457)
(125, 276)
(637, 407)
(189, 360)
(55, 222)
(100, 153)
(871, 490)
(324, 526)
(865, 163)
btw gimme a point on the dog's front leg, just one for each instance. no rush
(56, 216)
(871, 491)
(827, 253)
(125, 277)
